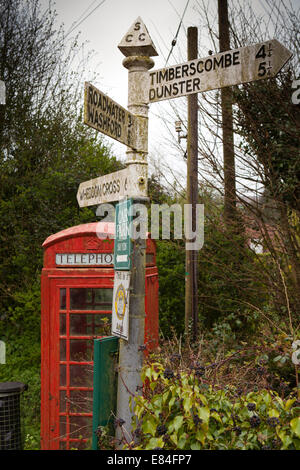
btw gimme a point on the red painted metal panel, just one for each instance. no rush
(57, 346)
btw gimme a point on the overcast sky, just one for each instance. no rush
(105, 27)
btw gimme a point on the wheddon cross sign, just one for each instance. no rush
(114, 186)
(233, 67)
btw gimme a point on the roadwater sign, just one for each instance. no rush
(108, 117)
(233, 67)
(120, 305)
(113, 187)
(123, 242)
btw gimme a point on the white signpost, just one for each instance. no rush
(246, 64)
(108, 117)
(228, 68)
(113, 187)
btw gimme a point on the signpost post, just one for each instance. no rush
(130, 128)
(138, 48)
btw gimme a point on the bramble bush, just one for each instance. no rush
(209, 396)
(179, 411)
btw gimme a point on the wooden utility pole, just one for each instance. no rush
(2, 104)
(2, 92)
(227, 124)
(191, 291)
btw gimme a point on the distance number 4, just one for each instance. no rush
(261, 54)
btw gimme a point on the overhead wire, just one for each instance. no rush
(82, 14)
(161, 40)
(178, 29)
(78, 24)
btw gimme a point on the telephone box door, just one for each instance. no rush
(82, 312)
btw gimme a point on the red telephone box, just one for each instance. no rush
(77, 287)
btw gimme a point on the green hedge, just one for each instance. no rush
(178, 411)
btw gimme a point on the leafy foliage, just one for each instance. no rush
(215, 396)
(20, 329)
(45, 153)
(232, 281)
(170, 260)
(271, 134)
(45, 149)
(178, 411)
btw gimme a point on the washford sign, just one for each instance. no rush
(108, 117)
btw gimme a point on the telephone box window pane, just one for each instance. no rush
(62, 350)
(103, 298)
(63, 427)
(81, 375)
(81, 401)
(81, 350)
(80, 427)
(90, 324)
(91, 298)
(149, 258)
(78, 324)
(62, 401)
(62, 298)
(62, 324)
(62, 372)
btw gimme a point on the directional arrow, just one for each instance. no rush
(113, 187)
(233, 67)
(108, 117)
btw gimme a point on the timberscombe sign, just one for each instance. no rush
(108, 117)
(233, 67)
